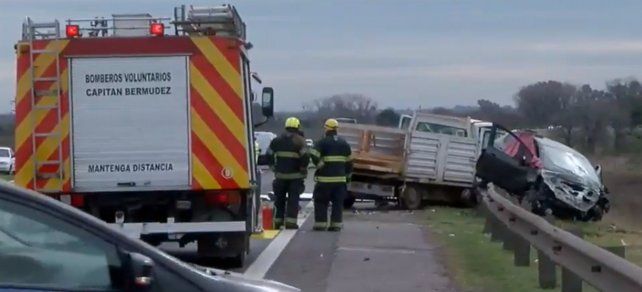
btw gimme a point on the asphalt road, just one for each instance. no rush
(382, 249)
(378, 250)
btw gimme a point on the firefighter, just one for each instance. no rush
(331, 155)
(288, 158)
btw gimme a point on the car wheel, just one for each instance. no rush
(411, 198)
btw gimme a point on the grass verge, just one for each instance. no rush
(606, 233)
(476, 263)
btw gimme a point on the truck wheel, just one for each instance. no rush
(411, 199)
(468, 198)
(348, 202)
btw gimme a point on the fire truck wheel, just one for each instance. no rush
(239, 260)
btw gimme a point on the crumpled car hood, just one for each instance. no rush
(578, 192)
(569, 175)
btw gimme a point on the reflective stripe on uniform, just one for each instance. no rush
(330, 179)
(335, 158)
(278, 220)
(320, 164)
(289, 175)
(287, 154)
(336, 224)
(291, 220)
(315, 153)
(320, 224)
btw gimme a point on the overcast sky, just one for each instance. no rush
(403, 54)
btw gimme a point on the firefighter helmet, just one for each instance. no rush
(292, 122)
(331, 124)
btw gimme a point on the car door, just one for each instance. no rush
(41, 250)
(511, 173)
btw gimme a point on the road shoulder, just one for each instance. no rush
(376, 251)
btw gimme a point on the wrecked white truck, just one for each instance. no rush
(550, 176)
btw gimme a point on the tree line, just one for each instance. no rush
(593, 120)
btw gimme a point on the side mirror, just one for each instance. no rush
(138, 271)
(267, 102)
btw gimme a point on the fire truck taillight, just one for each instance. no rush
(157, 29)
(72, 30)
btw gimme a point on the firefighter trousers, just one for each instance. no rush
(286, 205)
(324, 193)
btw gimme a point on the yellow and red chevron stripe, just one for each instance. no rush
(219, 136)
(219, 139)
(42, 120)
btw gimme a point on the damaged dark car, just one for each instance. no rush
(550, 176)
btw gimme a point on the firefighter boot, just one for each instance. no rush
(335, 227)
(320, 226)
(278, 223)
(290, 223)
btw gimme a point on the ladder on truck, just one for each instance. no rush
(222, 20)
(45, 87)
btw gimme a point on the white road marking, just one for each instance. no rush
(380, 250)
(268, 256)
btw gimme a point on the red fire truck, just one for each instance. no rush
(144, 122)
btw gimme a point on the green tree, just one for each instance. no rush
(387, 117)
(548, 103)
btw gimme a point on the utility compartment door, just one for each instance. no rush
(130, 123)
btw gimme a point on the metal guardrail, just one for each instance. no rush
(520, 229)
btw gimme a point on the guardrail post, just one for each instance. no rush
(487, 224)
(483, 210)
(509, 236)
(509, 239)
(571, 282)
(546, 267)
(496, 230)
(522, 252)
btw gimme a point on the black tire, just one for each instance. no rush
(595, 214)
(469, 198)
(411, 198)
(239, 260)
(348, 202)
